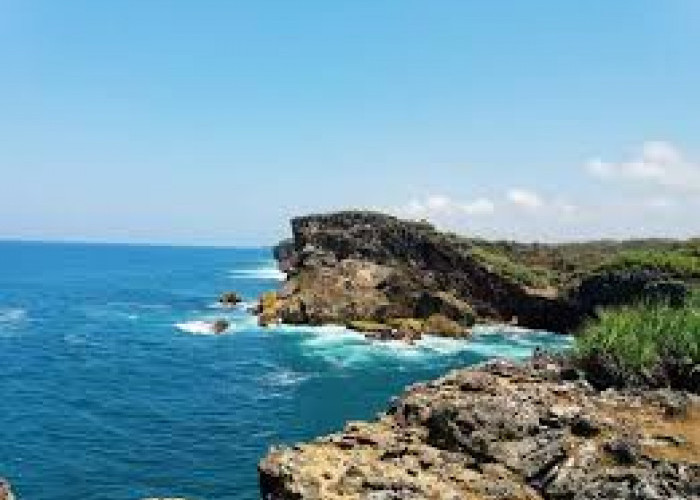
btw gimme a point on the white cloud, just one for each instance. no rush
(661, 203)
(525, 199)
(440, 205)
(480, 206)
(658, 163)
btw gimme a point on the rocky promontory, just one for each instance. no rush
(400, 278)
(363, 268)
(503, 431)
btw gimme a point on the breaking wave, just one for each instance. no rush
(270, 272)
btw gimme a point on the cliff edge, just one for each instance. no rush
(368, 269)
(503, 431)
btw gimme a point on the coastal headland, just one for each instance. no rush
(391, 277)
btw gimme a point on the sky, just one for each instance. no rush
(213, 122)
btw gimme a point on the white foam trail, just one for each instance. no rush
(196, 327)
(265, 273)
(285, 378)
(12, 316)
(205, 326)
(201, 327)
(12, 321)
(345, 348)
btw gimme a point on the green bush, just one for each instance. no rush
(681, 263)
(646, 344)
(528, 275)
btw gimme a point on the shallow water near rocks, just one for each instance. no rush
(112, 389)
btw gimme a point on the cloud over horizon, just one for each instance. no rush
(670, 185)
(658, 163)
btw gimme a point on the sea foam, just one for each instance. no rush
(260, 273)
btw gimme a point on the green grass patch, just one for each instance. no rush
(523, 274)
(650, 344)
(683, 263)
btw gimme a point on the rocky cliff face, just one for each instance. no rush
(366, 266)
(503, 431)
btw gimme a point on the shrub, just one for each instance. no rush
(522, 274)
(647, 344)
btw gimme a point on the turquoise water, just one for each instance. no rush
(110, 393)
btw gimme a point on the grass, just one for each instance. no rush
(528, 275)
(650, 344)
(681, 263)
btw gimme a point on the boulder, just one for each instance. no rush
(220, 326)
(229, 299)
(5, 490)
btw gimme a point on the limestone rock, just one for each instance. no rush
(502, 431)
(363, 266)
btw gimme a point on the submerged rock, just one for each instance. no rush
(220, 326)
(5, 490)
(500, 431)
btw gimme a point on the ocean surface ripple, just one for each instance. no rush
(114, 388)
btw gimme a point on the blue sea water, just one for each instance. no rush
(109, 390)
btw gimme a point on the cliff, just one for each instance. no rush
(503, 431)
(378, 273)
(368, 267)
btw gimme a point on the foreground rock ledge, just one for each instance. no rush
(503, 431)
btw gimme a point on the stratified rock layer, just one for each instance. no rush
(503, 431)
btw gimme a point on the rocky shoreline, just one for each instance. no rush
(503, 431)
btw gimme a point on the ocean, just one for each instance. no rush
(112, 390)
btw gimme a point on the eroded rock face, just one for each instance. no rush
(503, 431)
(371, 267)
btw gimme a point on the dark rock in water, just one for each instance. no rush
(5, 491)
(220, 326)
(230, 299)
(501, 431)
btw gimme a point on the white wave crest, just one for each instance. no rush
(262, 273)
(341, 347)
(199, 327)
(12, 321)
(283, 377)
(205, 326)
(12, 316)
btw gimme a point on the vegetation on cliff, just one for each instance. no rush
(648, 344)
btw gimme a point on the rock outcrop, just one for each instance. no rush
(361, 266)
(229, 299)
(5, 490)
(503, 431)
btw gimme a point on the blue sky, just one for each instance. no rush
(213, 122)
